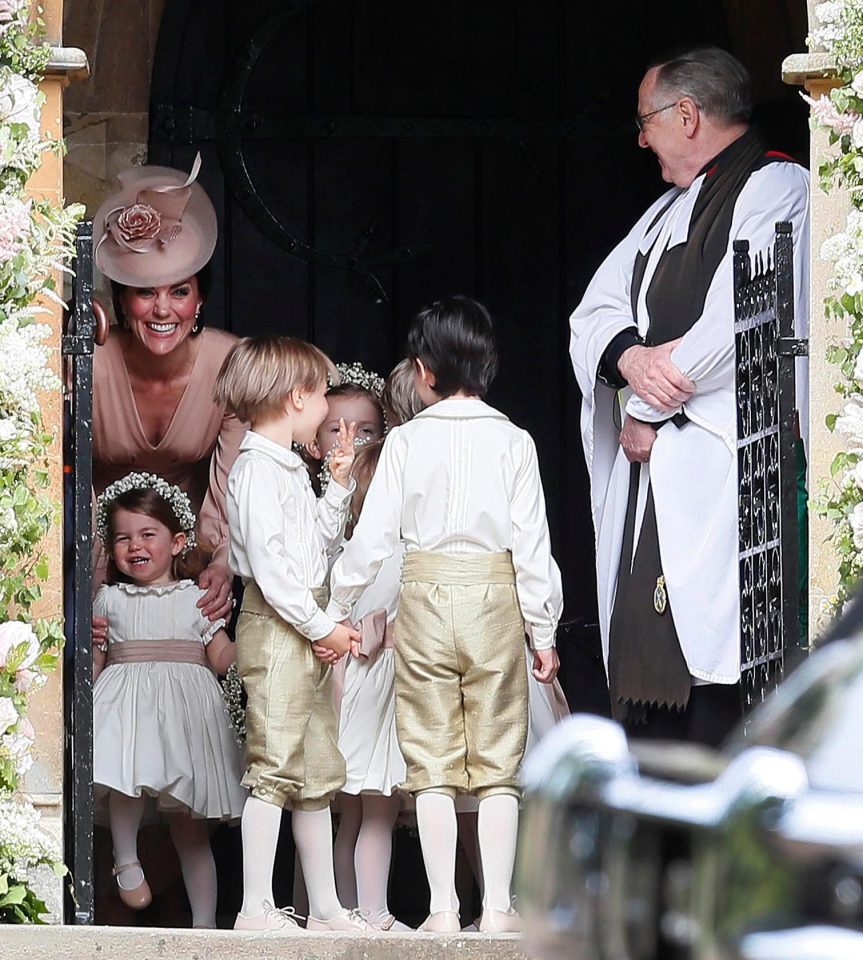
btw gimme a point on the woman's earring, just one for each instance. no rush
(196, 327)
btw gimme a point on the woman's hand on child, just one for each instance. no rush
(100, 633)
(546, 663)
(341, 640)
(218, 581)
(342, 454)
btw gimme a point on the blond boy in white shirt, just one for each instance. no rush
(279, 534)
(460, 485)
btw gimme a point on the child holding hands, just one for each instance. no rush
(279, 535)
(478, 575)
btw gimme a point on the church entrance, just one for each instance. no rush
(367, 157)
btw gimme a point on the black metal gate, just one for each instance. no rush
(766, 463)
(78, 353)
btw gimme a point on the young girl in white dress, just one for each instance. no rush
(365, 689)
(365, 693)
(160, 728)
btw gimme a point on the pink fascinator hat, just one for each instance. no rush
(158, 229)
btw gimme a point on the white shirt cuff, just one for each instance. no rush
(337, 612)
(541, 636)
(318, 626)
(336, 494)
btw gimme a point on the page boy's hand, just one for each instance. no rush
(325, 654)
(342, 454)
(341, 640)
(546, 663)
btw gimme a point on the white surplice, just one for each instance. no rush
(693, 470)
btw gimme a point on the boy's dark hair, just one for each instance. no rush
(454, 339)
(186, 566)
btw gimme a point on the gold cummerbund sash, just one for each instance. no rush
(464, 569)
(254, 602)
(165, 651)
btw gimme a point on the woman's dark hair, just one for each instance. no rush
(183, 567)
(349, 389)
(455, 341)
(205, 283)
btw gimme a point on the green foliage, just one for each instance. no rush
(36, 242)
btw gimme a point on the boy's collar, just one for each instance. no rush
(460, 408)
(284, 455)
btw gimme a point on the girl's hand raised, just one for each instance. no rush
(342, 454)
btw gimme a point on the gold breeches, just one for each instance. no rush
(292, 754)
(461, 686)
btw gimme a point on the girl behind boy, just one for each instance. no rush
(369, 801)
(279, 535)
(159, 722)
(478, 574)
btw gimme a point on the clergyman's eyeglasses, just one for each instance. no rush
(639, 121)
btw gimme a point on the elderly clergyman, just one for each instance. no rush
(653, 351)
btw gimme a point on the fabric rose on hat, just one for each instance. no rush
(139, 222)
(13, 634)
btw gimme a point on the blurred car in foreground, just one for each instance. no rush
(644, 851)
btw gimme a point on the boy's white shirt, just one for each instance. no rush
(280, 531)
(459, 478)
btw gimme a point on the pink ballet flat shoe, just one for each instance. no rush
(500, 921)
(390, 925)
(348, 921)
(444, 921)
(272, 920)
(135, 897)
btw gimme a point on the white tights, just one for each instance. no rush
(191, 840)
(313, 836)
(497, 830)
(363, 852)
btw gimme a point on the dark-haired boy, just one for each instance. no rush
(460, 485)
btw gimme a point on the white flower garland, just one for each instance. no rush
(171, 494)
(36, 242)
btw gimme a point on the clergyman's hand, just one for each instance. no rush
(637, 440)
(654, 377)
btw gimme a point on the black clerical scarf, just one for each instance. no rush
(678, 289)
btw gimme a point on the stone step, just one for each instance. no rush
(136, 943)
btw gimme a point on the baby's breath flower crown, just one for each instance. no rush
(357, 373)
(171, 494)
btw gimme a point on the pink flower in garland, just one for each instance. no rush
(826, 114)
(14, 226)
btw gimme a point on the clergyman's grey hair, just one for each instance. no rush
(717, 82)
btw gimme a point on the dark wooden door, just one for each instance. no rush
(368, 156)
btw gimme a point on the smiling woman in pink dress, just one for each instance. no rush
(152, 380)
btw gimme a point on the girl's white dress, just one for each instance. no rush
(367, 722)
(161, 728)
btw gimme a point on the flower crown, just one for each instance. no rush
(356, 373)
(172, 495)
